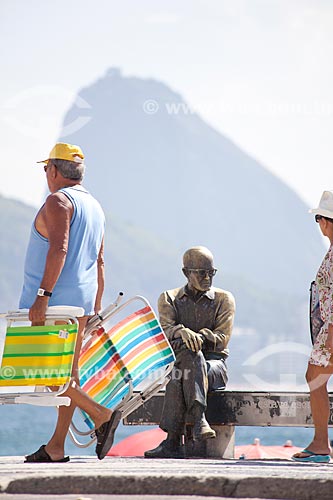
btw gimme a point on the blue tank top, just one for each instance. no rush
(77, 283)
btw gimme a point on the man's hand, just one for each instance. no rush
(98, 308)
(37, 311)
(192, 340)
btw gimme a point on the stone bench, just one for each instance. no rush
(227, 409)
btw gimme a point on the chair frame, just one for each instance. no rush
(41, 395)
(133, 399)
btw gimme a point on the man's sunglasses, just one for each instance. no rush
(202, 272)
(49, 164)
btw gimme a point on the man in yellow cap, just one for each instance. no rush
(64, 266)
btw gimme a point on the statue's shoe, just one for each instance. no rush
(165, 450)
(202, 430)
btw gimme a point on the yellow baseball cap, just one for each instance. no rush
(63, 151)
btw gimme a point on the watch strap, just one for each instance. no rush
(43, 293)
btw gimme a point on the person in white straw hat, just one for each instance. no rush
(320, 366)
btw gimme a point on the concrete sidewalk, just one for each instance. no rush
(138, 476)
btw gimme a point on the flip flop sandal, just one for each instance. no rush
(41, 456)
(317, 458)
(105, 434)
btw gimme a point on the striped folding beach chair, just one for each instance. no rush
(35, 358)
(126, 359)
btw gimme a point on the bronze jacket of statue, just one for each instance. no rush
(212, 315)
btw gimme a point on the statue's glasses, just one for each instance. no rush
(203, 272)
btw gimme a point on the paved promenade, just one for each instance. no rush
(269, 479)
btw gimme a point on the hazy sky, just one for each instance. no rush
(259, 71)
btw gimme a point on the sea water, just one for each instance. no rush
(25, 427)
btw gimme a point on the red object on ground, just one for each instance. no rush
(136, 444)
(258, 451)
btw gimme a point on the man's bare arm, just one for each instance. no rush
(54, 220)
(100, 279)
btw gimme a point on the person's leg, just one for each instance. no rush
(317, 378)
(99, 414)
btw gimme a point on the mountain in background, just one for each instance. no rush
(171, 173)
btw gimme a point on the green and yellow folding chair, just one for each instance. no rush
(36, 358)
(126, 358)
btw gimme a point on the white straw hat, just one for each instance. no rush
(325, 205)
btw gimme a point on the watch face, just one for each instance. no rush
(41, 292)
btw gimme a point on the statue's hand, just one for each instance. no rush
(176, 344)
(192, 340)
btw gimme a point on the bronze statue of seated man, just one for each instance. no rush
(198, 320)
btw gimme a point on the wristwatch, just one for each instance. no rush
(41, 292)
